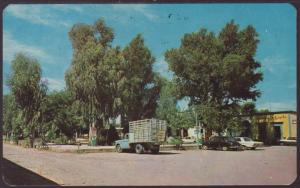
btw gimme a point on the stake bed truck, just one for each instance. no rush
(144, 135)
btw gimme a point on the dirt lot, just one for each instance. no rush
(266, 166)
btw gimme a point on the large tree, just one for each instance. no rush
(140, 86)
(89, 77)
(217, 71)
(28, 91)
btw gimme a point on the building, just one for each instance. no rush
(273, 126)
(268, 127)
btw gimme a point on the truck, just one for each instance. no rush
(144, 135)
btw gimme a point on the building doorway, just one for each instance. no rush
(277, 131)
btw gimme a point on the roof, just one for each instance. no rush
(278, 112)
(269, 113)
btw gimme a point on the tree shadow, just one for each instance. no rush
(13, 174)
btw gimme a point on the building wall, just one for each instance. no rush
(287, 122)
(293, 125)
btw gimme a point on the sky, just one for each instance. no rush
(41, 31)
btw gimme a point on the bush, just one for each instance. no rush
(50, 136)
(175, 141)
(61, 140)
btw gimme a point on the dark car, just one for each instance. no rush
(221, 143)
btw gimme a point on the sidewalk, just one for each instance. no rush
(99, 149)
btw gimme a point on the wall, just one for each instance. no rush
(293, 118)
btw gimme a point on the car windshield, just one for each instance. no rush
(247, 139)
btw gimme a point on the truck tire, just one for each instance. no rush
(118, 148)
(139, 149)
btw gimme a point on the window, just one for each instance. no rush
(247, 139)
(238, 139)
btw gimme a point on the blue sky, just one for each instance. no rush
(41, 31)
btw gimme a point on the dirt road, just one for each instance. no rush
(266, 166)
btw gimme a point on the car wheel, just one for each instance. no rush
(244, 148)
(118, 148)
(224, 148)
(282, 144)
(139, 149)
(204, 147)
(253, 148)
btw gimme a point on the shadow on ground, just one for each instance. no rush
(14, 174)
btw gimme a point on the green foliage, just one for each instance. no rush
(109, 81)
(92, 77)
(217, 72)
(175, 141)
(27, 90)
(63, 139)
(140, 86)
(167, 108)
(248, 108)
(62, 114)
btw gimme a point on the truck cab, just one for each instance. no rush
(122, 144)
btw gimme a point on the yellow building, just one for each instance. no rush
(273, 126)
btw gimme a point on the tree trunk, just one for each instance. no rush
(182, 132)
(31, 137)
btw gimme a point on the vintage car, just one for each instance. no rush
(222, 143)
(248, 143)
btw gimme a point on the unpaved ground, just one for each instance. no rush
(266, 166)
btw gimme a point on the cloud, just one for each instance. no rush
(12, 46)
(37, 14)
(276, 63)
(54, 84)
(139, 8)
(278, 106)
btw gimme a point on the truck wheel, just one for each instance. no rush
(139, 149)
(118, 148)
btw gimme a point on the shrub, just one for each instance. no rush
(61, 140)
(175, 141)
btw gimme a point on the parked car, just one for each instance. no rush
(222, 143)
(188, 140)
(288, 141)
(248, 143)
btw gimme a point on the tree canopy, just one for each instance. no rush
(217, 70)
(27, 90)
